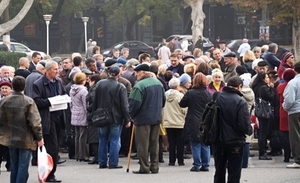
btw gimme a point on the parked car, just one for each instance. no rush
(134, 48)
(207, 44)
(234, 45)
(18, 47)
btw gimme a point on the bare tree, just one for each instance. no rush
(11, 24)
(197, 17)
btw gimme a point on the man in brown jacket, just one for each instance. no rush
(20, 129)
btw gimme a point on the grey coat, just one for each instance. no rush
(78, 95)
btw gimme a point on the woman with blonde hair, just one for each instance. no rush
(248, 59)
(190, 69)
(217, 83)
(196, 99)
(214, 64)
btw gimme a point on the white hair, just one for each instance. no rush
(174, 82)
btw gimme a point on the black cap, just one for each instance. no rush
(230, 54)
(86, 71)
(188, 56)
(110, 62)
(262, 63)
(142, 67)
(43, 63)
(241, 70)
(114, 70)
(222, 42)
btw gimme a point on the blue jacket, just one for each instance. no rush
(271, 59)
(146, 101)
(291, 95)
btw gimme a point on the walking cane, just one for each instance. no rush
(130, 148)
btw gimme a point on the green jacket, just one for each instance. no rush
(20, 122)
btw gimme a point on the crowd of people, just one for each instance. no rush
(162, 101)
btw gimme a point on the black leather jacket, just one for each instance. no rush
(235, 120)
(108, 90)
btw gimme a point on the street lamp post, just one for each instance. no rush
(47, 18)
(85, 20)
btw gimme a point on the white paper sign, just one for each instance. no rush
(59, 102)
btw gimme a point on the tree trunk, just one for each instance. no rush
(296, 38)
(8, 26)
(3, 5)
(197, 16)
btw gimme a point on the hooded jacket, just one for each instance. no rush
(78, 108)
(174, 115)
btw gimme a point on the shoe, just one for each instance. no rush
(33, 163)
(294, 165)
(71, 157)
(275, 153)
(63, 150)
(154, 172)
(134, 156)
(60, 161)
(181, 164)
(171, 164)
(139, 172)
(53, 180)
(286, 160)
(186, 157)
(122, 156)
(194, 169)
(161, 161)
(94, 161)
(265, 157)
(251, 155)
(103, 166)
(85, 160)
(203, 169)
(115, 166)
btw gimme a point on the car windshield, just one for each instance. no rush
(117, 46)
(20, 48)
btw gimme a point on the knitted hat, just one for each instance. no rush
(288, 74)
(241, 70)
(286, 55)
(5, 83)
(184, 78)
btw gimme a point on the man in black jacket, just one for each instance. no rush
(112, 95)
(234, 124)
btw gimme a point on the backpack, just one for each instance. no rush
(210, 132)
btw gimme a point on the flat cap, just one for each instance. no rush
(262, 63)
(114, 70)
(86, 71)
(188, 56)
(142, 67)
(110, 62)
(230, 54)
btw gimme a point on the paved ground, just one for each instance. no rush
(273, 171)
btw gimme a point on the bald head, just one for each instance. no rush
(23, 63)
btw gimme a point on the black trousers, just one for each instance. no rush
(51, 141)
(262, 135)
(4, 154)
(176, 145)
(230, 156)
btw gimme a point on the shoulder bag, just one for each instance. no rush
(263, 109)
(103, 116)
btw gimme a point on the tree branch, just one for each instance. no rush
(58, 10)
(8, 26)
(3, 5)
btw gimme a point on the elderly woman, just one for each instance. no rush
(185, 83)
(78, 108)
(93, 136)
(5, 88)
(173, 122)
(217, 83)
(196, 99)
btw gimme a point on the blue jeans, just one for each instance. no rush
(112, 135)
(19, 159)
(201, 154)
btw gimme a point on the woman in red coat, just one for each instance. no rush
(288, 74)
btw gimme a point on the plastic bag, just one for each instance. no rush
(45, 164)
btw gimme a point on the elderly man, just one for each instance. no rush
(245, 46)
(45, 87)
(218, 55)
(270, 56)
(230, 63)
(5, 73)
(145, 106)
(129, 71)
(124, 55)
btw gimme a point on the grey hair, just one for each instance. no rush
(174, 82)
(273, 47)
(124, 50)
(256, 48)
(50, 64)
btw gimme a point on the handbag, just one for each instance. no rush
(102, 117)
(263, 109)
